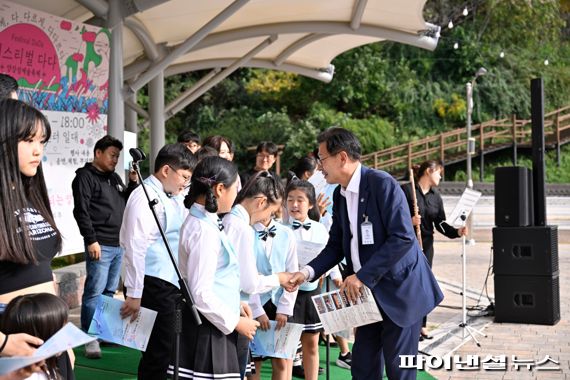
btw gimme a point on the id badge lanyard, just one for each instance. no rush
(367, 232)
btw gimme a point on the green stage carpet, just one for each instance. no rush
(120, 363)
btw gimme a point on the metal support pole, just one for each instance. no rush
(156, 111)
(469, 90)
(116, 117)
(187, 45)
(131, 113)
(223, 74)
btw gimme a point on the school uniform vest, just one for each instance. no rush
(274, 261)
(317, 234)
(226, 279)
(157, 260)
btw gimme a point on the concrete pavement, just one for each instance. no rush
(523, 345)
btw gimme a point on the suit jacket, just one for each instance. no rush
(394, 267)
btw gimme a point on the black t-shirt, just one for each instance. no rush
(19, 276)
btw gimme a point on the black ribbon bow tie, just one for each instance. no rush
(263, 234)
(220, 225)
(297, 225)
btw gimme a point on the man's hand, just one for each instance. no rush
(21, 345)
(352, 286)
(295, 280)
(131, 307)
(463, 231)
(281, 320)
(94, 250)
(263, 322)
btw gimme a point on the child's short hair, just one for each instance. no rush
(263, 183)
(177, 156)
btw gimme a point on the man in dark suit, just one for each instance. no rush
(372, 230)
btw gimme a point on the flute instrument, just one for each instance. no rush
(415, 207)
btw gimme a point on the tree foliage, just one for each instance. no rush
(389, 93)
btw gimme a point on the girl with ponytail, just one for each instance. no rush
(209, 264)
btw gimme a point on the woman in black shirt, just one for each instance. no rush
(431, 211)
(29, 238)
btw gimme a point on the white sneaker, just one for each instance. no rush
(92, 350)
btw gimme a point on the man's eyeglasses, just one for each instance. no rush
(320, 160)
(186, 179)
(264, 157)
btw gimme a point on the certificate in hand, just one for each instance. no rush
(280, 343)
(67, 337)
(108, 325)
(307, 251)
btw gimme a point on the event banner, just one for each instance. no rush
(62, 68)
(338, 313)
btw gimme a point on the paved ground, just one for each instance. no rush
(527, 342)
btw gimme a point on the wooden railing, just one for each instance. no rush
(451, 146)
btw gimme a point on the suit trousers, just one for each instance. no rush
(380, 345)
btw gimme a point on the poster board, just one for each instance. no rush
(62, 68)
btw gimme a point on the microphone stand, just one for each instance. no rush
(185, 296)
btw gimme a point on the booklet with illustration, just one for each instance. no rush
(338, 313)
(108, 325)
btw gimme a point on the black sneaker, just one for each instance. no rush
(344, 361)
(299, 371)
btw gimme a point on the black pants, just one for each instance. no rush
(427, 246)
(160, 296)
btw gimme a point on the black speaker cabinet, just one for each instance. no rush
(527, 299)
(525, 250)
(513, 197)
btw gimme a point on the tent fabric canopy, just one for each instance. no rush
(152, 39)
(309, 34)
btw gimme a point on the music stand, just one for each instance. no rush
(458, 218)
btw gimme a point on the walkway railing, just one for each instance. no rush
(490, 136)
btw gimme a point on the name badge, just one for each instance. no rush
(367, 232)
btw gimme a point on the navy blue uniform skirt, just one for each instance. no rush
(206, 352)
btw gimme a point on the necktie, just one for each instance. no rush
(297, 225)
(220, 225)
(263, 234)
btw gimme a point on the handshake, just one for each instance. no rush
(291, 281)
(351, 285)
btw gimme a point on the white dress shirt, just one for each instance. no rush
(241, 235)
(199, 256)
(351, 193)
(138, 232)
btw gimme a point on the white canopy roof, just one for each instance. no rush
(156, 38)
(304, 35)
